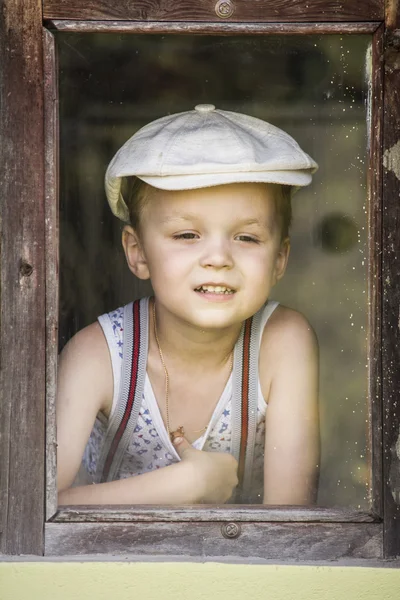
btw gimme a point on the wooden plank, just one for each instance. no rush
(204, 10)
(391, 298)
(375, 268)
(105, 514)
(52, 260)
(222, 28)
(275, 541)
(22, 284)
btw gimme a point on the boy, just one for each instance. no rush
(209, 372)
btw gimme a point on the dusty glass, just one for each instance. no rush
(313, 87)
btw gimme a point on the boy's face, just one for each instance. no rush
(212, 254)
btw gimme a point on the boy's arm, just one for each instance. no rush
(200, 477)
(292, 442)
(85, 387)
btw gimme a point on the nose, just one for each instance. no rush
(217, 253)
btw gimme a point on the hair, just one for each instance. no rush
(137, 196)
(283, 207)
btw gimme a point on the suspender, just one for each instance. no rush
(244, 400)
(244, 403)
(123, 422)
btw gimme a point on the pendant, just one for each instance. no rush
(180, 432)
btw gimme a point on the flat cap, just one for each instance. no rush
(205, 147)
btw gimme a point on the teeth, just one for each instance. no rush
(215, 289)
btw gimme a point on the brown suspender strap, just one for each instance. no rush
(244, 401)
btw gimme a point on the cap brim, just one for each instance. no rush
(117, 204)
(190, 182)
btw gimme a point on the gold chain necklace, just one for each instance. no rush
(179, 432)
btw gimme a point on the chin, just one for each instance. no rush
(215, 319)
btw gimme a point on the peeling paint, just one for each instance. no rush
(391, 10)
(394, 472)
(397, 447)
(391, 159)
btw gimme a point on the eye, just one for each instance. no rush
(186, 235)
(247, 238)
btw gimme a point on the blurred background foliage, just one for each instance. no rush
(314, 87)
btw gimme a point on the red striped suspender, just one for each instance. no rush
(132, 389)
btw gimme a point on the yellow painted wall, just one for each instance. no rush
(193, 581)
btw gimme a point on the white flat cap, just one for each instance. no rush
(205, 147)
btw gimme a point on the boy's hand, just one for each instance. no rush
(215, 473)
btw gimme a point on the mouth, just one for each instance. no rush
(215, 289)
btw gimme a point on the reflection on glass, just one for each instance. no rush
(314, 88)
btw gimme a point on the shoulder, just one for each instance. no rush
(85, 365)
(288, 328)
(288, 344)
(88, 341)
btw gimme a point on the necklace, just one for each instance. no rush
(180, 431)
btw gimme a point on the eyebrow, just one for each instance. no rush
(193, 217)
(186, 217)
(262, 224)
(252, 222)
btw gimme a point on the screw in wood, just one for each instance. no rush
(224, 9)
(230, 530)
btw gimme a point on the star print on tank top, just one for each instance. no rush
(150, 447)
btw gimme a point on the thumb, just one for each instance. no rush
(181, 445)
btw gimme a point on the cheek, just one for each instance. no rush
(254, 259)
(260, 266)
(167, 261)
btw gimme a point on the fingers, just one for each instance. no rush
(181, 445)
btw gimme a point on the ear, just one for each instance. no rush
(282, 260)
(134, 253)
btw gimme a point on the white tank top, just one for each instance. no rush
(150, 447)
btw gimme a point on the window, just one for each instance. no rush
(266, 532)
(313, 87)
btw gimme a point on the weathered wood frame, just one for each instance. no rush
(29, 297)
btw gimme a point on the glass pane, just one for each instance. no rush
(313, 87)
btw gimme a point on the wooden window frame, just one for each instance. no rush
(29, 301)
